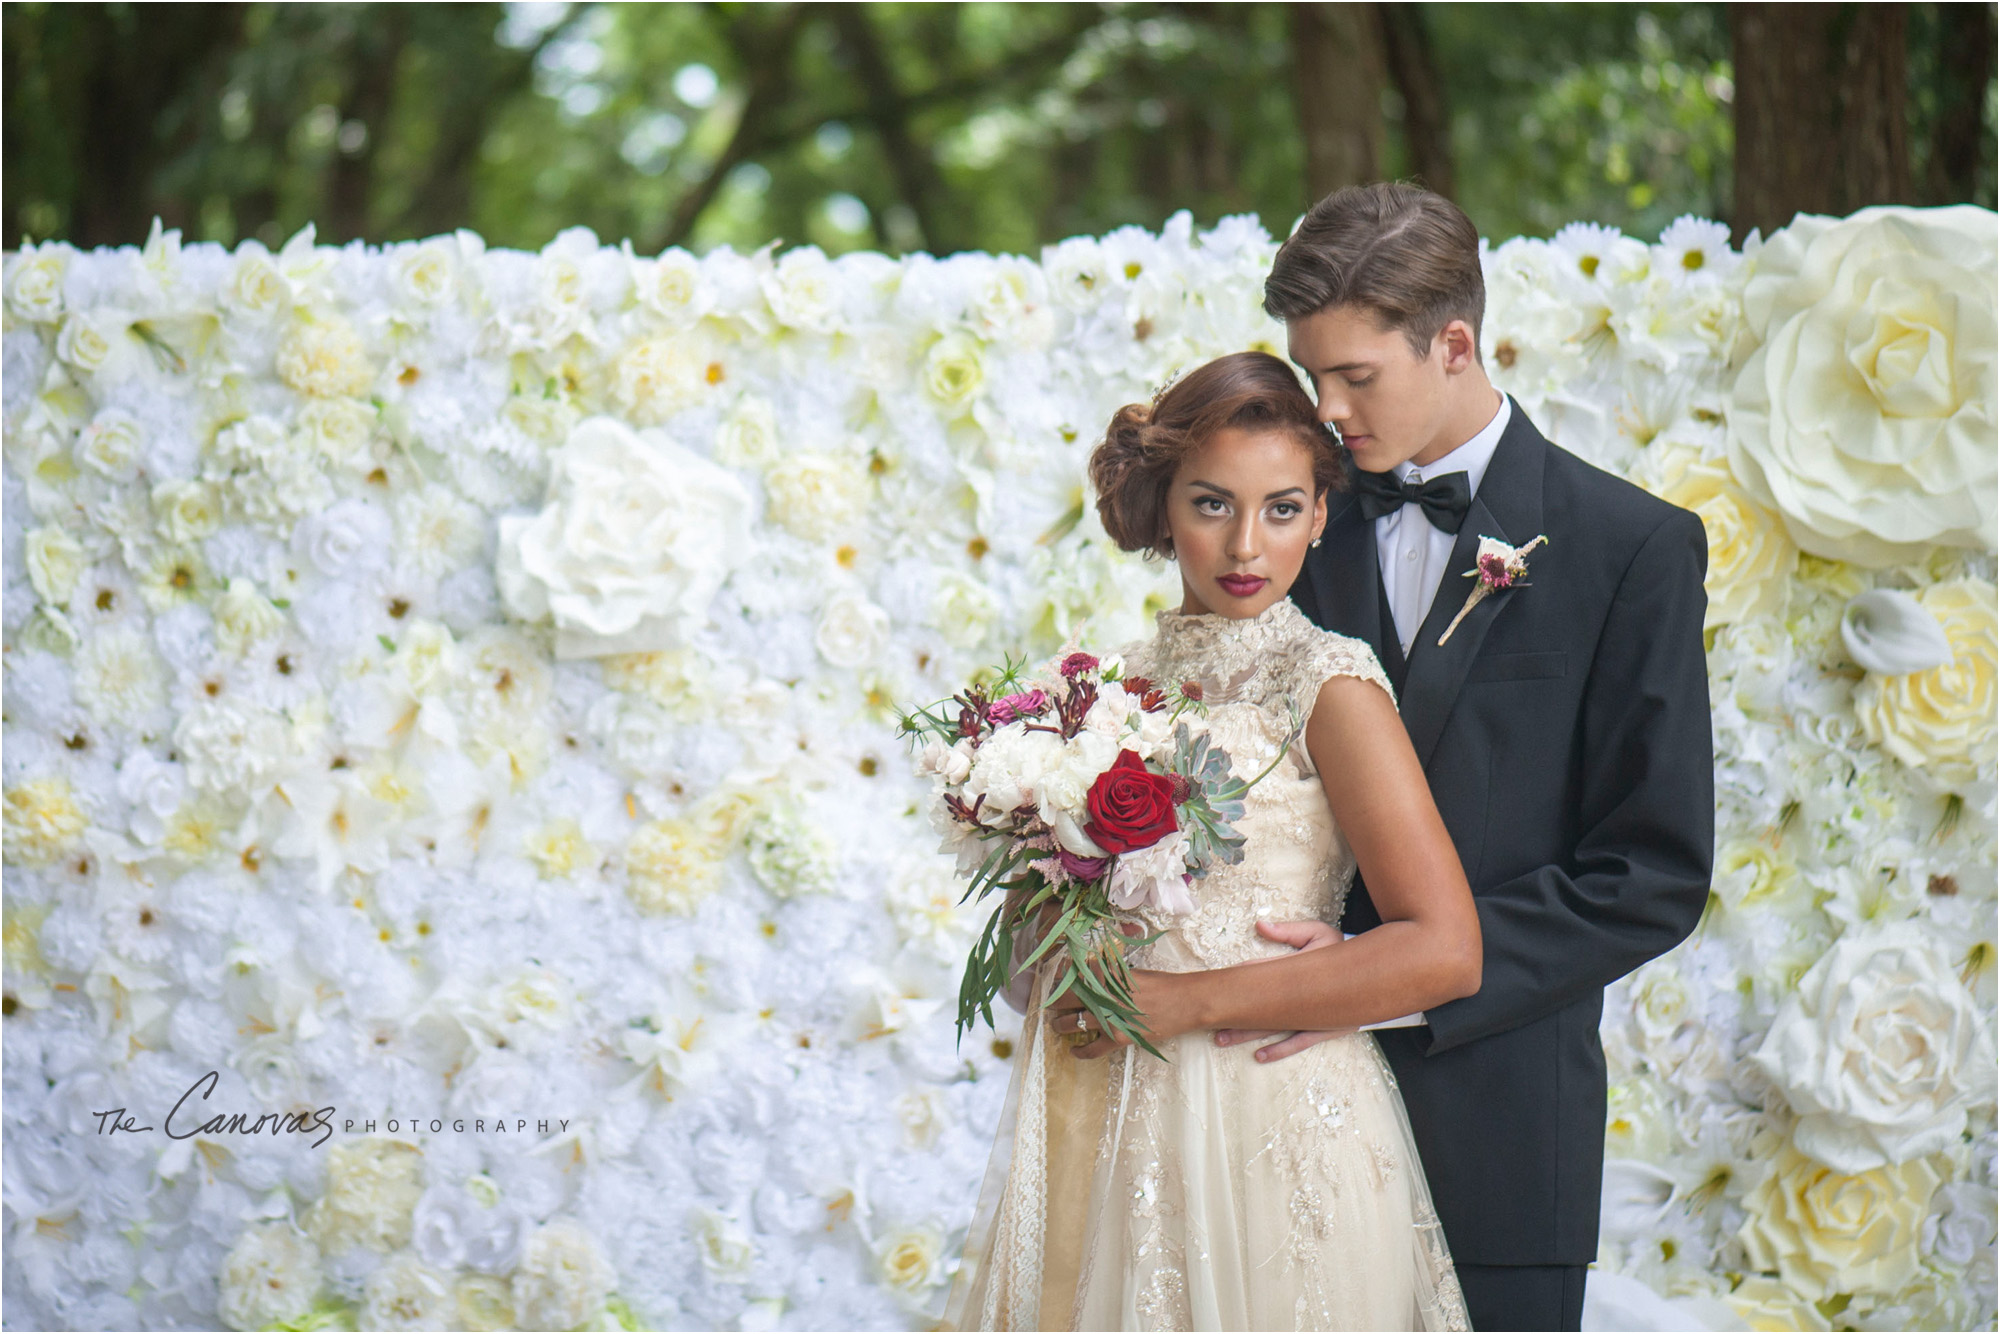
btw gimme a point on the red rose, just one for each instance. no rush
(1130, 807)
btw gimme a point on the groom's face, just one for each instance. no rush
(1389, 403)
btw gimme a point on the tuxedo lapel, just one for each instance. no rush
(1508, 506)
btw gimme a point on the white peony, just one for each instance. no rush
(1882, 1051)
(637, 535)
(119, 677)
(950, 764)
(1154, 877)
(372, 1184)
(406, 1293)
(816, 495)
(325, 358)
(1866, 414)
(563, 1278)
(659, 377)
(852, 631)
(271, 1277)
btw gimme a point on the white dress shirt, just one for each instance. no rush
(1413, 551)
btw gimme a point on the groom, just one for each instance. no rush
(1563, 724)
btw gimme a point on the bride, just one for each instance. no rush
(1211, 1190)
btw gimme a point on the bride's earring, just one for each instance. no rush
(1315, 541)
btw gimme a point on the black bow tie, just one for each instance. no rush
(1444, 499)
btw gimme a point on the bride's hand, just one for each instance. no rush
(1160, 997)
(1309, 935)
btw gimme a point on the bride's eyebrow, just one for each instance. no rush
(1227, 494)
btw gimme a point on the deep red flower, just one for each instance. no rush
(1130, 806)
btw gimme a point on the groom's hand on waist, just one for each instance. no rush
(1301, 936)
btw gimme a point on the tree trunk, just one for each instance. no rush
(1820, 110)
(1966, 57)
(1426, 115)
(1338, 69)
(374, 53)
(910, 162)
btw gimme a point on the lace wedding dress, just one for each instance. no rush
(1214, 1191)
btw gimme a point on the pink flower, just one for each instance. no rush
(1076, 664)
(1493, 571)
(1027, 704)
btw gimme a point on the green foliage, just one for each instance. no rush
(886, 126)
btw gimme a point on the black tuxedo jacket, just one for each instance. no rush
(1564, 729)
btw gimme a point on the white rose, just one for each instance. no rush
(350, 538)
(911, 1260)
(110, 444)
(923, 1114)
(1826, 1233)
(339, 430)
(154, 788)
(672, 288)
(1154, 877)
(1943, 716)
(636, 537)
(803, 289)
(657, 378)
(563, 1278)
(271, 1276)
(815, 495)
(450, 1228)
(955, 370)
(426, 274)
(1881, 1051)
(325, 358)
(55, 562)
(724, 1246)
(852, 631)
(35, 281)
(1078, 272)
(244, 616)
(188, 511)
(85, 341)
(962, 610)
(748, 436)
(1750, 557)
(1866, 412)
(255, 285)
(406, 1293)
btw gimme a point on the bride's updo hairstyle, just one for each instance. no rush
(1133, 468)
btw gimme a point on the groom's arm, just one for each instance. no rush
(1644, 860)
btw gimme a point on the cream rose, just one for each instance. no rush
(55, 562)
(255, 284)
(1865, 414)
(670, 867)
(1750, 557)
(326, 359)
(35, 281)
(372, 1185)
(658, 377)
(852, 631)
(955, 370)
(1881, 1051)
(244, 616)
(1943, 716)
(815, 494)
(188, 511)
(339, 430)
(43, 821)
(1826, 1234)
(270, 1277)
(85, 341)
(672, 287)
(110, 444)
(748, 436)
(563, 1278)
(427, 273)
(637, 535)
(911, 1260)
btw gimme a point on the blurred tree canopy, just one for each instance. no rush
(973, 126)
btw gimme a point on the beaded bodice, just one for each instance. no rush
(1254, 672)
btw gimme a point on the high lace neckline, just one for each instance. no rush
(1224, 653)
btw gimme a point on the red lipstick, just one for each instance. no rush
(1241, 585)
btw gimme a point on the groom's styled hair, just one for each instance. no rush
(1404, 253)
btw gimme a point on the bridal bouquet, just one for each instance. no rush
(1086, 789)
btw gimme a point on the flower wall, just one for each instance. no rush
(450, 696)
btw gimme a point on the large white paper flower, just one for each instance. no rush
(1826, 1232)
(1881, 1051)
(637, 535)
(1866, 414)
(1750, 557)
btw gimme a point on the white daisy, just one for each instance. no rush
(1695, 249)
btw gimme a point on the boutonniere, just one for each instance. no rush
(1500, 566)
